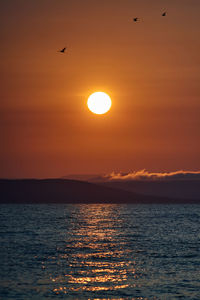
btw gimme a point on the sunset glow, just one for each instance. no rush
(100, 149)
(149, 68)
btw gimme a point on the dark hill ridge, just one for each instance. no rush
(69, 191)
(62, 191)
(179, 189)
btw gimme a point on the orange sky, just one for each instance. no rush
(151, 70)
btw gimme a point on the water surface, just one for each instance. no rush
(100, 252)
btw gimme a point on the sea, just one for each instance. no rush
(100, 251)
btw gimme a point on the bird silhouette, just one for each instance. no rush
(62, 50)
(164, 14)
(135, 19)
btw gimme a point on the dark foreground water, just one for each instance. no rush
(100, 252)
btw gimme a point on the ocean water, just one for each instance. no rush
(100, 252)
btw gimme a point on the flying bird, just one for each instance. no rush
(164, 14)
(135, 19)
(62, 50)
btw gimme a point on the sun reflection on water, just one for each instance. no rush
(96, 254)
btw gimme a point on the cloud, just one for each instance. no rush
(146, 175)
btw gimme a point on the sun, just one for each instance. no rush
(99, 103)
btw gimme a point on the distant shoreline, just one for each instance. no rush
(65, 191)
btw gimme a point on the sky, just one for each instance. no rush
(150, 69)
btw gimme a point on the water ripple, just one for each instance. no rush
(100, 252)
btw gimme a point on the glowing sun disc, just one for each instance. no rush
(99, 103)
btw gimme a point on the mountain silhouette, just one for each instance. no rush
(70, 191)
